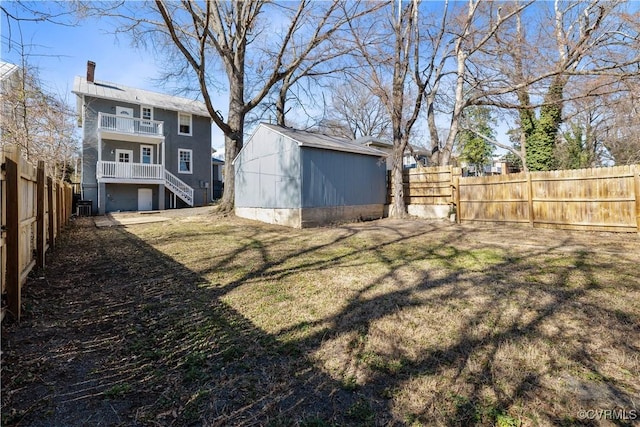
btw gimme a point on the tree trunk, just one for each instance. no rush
(280, 103)
(233, 142)
(445, 156)
(399, 209)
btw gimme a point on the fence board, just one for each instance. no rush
(427, 186)
(3, 226)
(13, 236)
(29, 213)
(599, 199)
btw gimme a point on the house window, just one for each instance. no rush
(146, 154)
(146, 124)
(184, 161)
(147, 113)
(184, 124)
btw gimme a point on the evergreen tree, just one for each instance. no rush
(541, 133)
(476, 150)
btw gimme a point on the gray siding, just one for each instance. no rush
(268, 172)
(124, 197)
(199, 142)
(333, 178)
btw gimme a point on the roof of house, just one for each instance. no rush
(326, 142)
(6, 69)
(371, 141)
(117, 92)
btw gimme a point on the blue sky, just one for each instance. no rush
(61, 52)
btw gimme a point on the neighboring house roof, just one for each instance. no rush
(316, 140)
(370, 141)
(6, 69)
(116, 92)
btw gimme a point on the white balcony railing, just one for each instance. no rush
(123, 170)
(129, 125)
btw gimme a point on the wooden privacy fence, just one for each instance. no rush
(34, 209)
(427, 191)
(599, 199)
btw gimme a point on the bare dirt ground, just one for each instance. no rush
(209, 320)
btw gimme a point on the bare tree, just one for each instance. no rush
(588, 41)
(428, 62)
(40, 123)
(386, 72)
(15, 12)
(353, 113)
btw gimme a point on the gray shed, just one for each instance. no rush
(301, 179)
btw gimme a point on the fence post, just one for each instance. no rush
(636, 179)
(50, 204)
(13, 234)
(456, 183)
(58, 210)
(40, 238)
(530, 198)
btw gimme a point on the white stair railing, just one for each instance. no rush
(178, 187)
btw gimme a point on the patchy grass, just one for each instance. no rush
(219, 321)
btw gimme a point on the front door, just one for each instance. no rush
(145, 199)
(124, 121)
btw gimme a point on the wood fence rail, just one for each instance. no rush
(597, 199)
(427, 191)
(34, 209)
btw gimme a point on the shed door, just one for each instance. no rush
(145, 199)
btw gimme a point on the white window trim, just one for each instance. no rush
(130, 152)
(146, 146)
(180, 150)
(142, 107)
(190, 124)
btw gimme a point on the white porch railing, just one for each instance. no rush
(178, 187)
(123, 170)
(144, 171)
(130, 125)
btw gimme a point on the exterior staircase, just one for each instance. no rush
(178, 187)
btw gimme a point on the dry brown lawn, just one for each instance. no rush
(210, 320)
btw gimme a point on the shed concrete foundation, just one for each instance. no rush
(287, 217)
(312, 217)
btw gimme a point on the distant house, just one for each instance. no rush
(217, 178)
(141, 150)
(500, 165)
(409, 160)
(300, 179)
(10, 80)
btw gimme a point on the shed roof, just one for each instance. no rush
(326, 142)
(118, 92)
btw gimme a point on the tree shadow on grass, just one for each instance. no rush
(122, 334)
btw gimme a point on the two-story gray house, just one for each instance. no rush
(141, 150)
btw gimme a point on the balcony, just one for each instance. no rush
(132, 129)
(142, 173)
